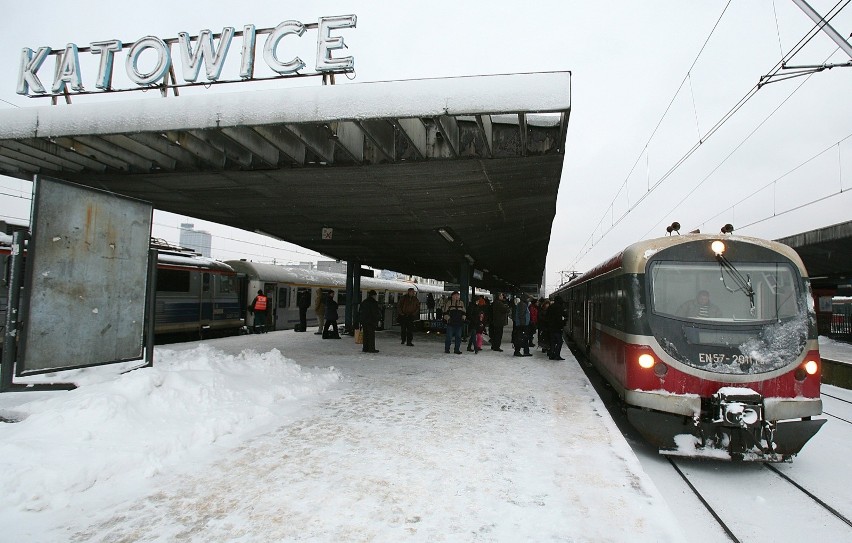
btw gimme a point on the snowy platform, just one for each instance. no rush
(308, 439)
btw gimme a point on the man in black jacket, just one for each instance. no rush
(303, 301)
(556, 323)
(369, 314)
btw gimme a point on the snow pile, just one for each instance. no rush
(131, 427)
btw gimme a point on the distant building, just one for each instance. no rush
(302, 265)
(331, 266)
(197, 240)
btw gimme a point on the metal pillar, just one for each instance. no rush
(353, 289)
(464, 281)
(10, 340)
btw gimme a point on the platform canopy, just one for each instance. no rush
(416, 176)
(827, 255)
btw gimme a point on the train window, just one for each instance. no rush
(705, 292)
(205, 287)
(282, 297)
(226, 284)
(172, 281)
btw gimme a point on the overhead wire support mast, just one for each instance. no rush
(822, 23)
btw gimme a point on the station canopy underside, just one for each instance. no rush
(413, 176)
(827, 255)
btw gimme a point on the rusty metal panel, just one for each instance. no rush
(87, 266)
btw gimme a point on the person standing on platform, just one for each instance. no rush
(556, 323)
(370, 314)
(330, 318)
(522, 324)
(430, 306)
(454, 314)
(499, 313)
(408, 310)
(533, 307)
(258, 308)
(319, 309)
(475, 308)
(303, 301)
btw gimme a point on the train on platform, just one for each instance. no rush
(709, 341)
(283, 285)
(199, 297)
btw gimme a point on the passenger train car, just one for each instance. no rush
(283, 285)
(196, 296)
(200, 297)
(709, 340)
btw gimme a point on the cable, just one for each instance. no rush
(735, 149)
(660, 122)
(745, 99)
(764, 187)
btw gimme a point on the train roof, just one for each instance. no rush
(634, 257)
(317, 278)
(192, 261)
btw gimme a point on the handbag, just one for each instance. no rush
(359, 336)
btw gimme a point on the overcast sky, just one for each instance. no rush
(628, 60)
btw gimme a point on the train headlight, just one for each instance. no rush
(811, 367)
(646, 361)
(718, 247)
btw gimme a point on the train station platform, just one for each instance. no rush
(836, 362)
(409, 444)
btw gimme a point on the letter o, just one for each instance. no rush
(164, 60)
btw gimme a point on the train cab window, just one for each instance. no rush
(703, 291)
(282, 297)
(172, 281)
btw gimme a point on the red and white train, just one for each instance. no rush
(709, 340)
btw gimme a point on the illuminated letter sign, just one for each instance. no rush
(164, 60)
(68, 76)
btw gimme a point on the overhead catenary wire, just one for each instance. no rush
(775, 181)
(721, 122)
(728, 156)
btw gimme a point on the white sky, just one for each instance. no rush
(627, 60)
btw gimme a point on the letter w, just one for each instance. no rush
(213, 58)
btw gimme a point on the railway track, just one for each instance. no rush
(749, 502)
(734, 520)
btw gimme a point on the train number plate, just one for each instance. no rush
(718, 358)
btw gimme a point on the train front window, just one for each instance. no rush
(704, 292)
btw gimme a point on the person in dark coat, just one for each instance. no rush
(522, 323)
(330, 318)
(430, 306)
(454, 314)
(369, 313)
(408, 311)
(556, 323)
(499, 313)
(303, 302)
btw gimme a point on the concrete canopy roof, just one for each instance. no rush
(413, 176)
(827, 255)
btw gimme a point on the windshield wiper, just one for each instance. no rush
(744, 283)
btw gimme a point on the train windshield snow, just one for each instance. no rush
(705, 292)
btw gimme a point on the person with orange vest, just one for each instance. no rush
(258, 307)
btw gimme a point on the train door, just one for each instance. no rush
(269, 291)
(206, 299)
(588, 318)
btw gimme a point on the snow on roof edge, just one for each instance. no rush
(487, 94)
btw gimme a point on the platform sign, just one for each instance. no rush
(86, 278)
